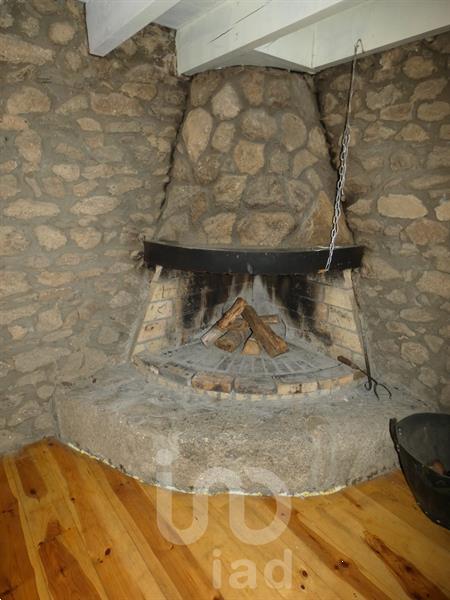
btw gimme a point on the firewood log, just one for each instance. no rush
(239, 323)
(251, 347)
(268, 339)
(232, 339)
(223, 324)
(239, 332)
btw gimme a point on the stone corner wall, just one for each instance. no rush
(251, 165)
(85, 151)
(397, 205)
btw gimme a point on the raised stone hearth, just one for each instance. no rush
(323, 442)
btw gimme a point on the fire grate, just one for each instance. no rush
(301, 370)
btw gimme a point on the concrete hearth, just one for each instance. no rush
(327, 440)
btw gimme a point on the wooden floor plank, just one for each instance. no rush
(336, 517)
(347, 555)
(304, 577)
(55, 534)
(115, 557)
(330, 557)
(72, 527)
(401, 538)
(396, 498)
(32, 549)
(216, 550)
(145, 549)
(413, 581)
(176, 559)
(17, 575)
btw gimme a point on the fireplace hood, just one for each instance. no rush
(251, 186)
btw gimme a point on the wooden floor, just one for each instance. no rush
(71, 527)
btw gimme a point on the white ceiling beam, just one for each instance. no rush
(256, 58)
(111, 22)
(379, 23)
(235, 27)
(295, 49)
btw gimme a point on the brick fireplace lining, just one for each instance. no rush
(316, 308)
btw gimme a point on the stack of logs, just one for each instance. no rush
(242, 325)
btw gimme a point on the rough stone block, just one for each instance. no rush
(126, 420)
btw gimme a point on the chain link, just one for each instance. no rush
(342, 171)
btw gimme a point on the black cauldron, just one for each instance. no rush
(421, 440)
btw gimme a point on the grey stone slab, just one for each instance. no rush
(310, 445)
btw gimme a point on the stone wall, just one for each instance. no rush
(85, 150)
(398, 206)
(251, 166)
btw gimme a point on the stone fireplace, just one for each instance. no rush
(251, 169)
(97, 153)
(251, 176)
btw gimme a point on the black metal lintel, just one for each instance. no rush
(255, 261)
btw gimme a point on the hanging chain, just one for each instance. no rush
(342, 163)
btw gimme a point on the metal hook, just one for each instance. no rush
(357, 44)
